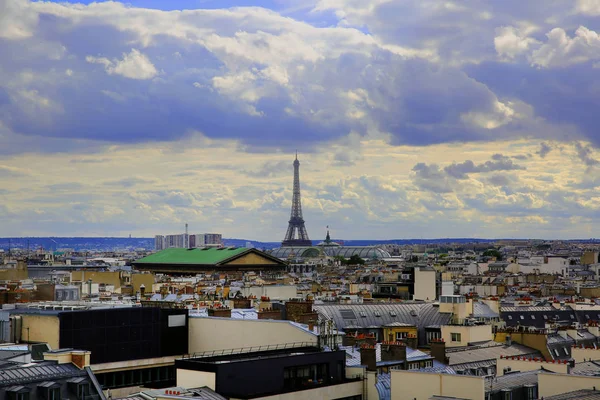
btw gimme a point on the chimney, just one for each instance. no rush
(438, 350)
(349, 339)
(368, 357)
(142, 289)
(219, 312)
(412, 341)
(508, 341)
(393, 351)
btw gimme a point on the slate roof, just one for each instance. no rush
(384, 386)
(379, 315)
(587, 368)
(512, 380)
(584, 394)
(200, 393)
(536, 316)
(353, 355)
(35, 373)
(482, 310)
(489, 351)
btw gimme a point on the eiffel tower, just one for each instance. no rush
(296, 223)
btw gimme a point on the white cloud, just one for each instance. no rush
(561, 50)
(17, 21)
(134, 65)
(510, 42)
(589, 7)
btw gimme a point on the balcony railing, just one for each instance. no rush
(244, 350)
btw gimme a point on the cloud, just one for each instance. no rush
(129, 182)
(499, 162)
(585, 154)
(272, 168)
(7, 171)
(510, 42)
(134, 65)
(561, 50)
(545, 148)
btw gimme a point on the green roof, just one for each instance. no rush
(203, 256)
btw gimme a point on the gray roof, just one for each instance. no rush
(370, 315)
(384, 386)
(587, 368)
(38, 373)
(584, 394)
(365, 252)
(482, 310)
(512, 380)
(489, 351)
(353, 355)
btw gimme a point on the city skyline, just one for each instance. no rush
(411, 119)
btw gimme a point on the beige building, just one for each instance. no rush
(410, 385)
(462, 335)
(240, 333)
(425, 284)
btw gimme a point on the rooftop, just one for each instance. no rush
(197, 256)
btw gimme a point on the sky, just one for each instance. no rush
(411, 118)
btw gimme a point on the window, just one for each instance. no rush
(510, 317)
(522, 317)
(456, 337)
(572, 316)
(533, 317)
(377, 314)
(556, 353)
(392, 314)
(545, 316)
(363, 314)
(531, 392)
(401, 335)
(83, 390)
(587, 316)
(53, 394)
(566, 351)
(413, 366)
(17, 396)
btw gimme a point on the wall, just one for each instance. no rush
(41, 328)
(274, 292)
(536, 341)
(142, 279)
(323, 393)
(217, 334)
(251, 259)
(529, 365)
(553, 384)
(425, 285)
(13, 274)
(409, 385)
(194, 379)
(581, 355)
(469, 334)
(107, 277)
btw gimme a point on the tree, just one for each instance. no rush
(355, 260)
(493, 253)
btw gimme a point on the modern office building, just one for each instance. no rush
(289, 371)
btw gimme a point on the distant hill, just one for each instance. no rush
(125, 243)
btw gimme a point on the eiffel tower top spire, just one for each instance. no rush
(296, 234)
